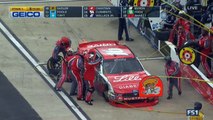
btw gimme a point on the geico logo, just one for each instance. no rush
(26, 14)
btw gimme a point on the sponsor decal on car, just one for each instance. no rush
(126, 78)
(150, 86)
(101, 45)
(128, 86)
(134, 98)
(115, 51)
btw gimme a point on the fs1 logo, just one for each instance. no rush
(192, 112)
(26, 11)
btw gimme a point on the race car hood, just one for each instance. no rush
(125, 83)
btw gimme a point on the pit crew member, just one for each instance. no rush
(61, 46)
(76, 65)
(64, 69)
(181, 30)
(205, 43)
(89, 74)
(172, 71)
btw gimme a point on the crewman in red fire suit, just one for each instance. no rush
(61, 46)
(76, 66)
(64, 69)
(172, 70)
(182, 30)
(205, 43)
(89, 74)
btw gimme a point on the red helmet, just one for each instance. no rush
(66, 42)
(90, 55)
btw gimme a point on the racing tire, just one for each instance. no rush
(193, 45)
(53, 67)
(162, 35)
(105, 96)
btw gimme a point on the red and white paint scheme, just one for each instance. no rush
(119, 75)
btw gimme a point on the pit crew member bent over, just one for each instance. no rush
(64, 69)
(76, 66)
(172, 71)
(205, 43)
(61, 46)
(89, 74)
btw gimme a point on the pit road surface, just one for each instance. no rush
(40, 35)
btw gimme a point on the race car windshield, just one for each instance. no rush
(118, 66)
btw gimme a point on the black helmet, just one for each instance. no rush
(197, 106)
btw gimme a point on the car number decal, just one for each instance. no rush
(115, 51)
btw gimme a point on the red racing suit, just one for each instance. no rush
(173, 70)
(64, 72)
(205, 43)
(89, 77)
(76, 66)
(182, 30)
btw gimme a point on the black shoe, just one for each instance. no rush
(130, 39)
(179, 92)
(120, 39)
(169, 97)
(72, 94)
(89, 102)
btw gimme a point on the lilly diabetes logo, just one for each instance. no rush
(26, 11)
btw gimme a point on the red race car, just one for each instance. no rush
(121, 78)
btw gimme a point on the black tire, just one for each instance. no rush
(105, 93)
(53, 67)
(106, 98)
(162, 35)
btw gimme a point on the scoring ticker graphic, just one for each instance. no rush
(82, 11)
(141, 11)
(62, 11)
(101, 11)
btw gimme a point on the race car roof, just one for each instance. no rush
(95, 44)
(116, 52)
